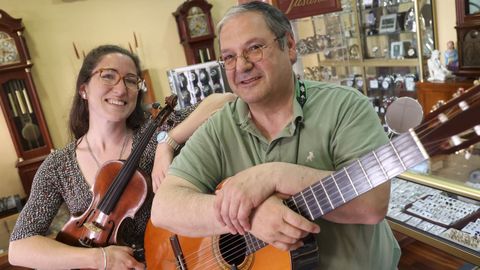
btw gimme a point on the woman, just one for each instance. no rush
(106, 121)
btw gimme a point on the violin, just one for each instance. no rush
(119, 191)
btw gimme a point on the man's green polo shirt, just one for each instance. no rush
(335, 126)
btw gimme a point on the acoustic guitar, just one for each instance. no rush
(449, 129)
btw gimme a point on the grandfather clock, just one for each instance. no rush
(468, 38)
(196, 31)
(19, 101)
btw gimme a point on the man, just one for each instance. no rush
(274, 140)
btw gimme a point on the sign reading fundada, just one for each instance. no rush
(304, 8)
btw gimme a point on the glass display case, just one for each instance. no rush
(195, 82)
(380, 47)
(439, 204)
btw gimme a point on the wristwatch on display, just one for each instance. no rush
(163, 137)
(358, 80)
(387, 82)
(410, 82)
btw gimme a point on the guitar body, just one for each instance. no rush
(222, 252)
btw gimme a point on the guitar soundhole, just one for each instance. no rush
(233, 248)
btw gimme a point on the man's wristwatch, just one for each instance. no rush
(163, 137)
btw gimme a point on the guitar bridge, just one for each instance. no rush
(177, 251)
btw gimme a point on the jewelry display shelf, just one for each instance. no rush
(457, 235)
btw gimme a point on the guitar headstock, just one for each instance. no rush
(453, 126)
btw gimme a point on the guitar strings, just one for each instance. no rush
(211, 262)
(308, 198)
(208, 262)
(301, 205)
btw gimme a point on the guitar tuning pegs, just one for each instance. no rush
(438, 105)
(459, 92)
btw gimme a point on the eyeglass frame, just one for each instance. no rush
(140, 82)
(245, 55)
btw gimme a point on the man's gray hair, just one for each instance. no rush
(276, 21)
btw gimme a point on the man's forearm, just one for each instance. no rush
(180, 208)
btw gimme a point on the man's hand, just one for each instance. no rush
(241, 193)
(276, 224)
(237, 197)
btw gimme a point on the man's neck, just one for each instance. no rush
(271, 119)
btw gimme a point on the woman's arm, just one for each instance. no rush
(36, 252)
(183, 131)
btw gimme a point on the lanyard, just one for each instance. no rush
(301, 93)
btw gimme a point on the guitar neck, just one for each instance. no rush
(362, 175)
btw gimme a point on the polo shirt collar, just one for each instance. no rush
(245, 122)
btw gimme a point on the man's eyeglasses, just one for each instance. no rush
(252, 54)
(111, 77)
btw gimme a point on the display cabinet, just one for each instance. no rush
(439, 204)
(195, 82)
(380, 47)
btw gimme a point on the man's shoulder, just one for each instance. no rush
(324, 89)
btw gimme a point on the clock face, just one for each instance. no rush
(197, 23)
(8, 50)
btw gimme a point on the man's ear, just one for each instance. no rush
(292, 48)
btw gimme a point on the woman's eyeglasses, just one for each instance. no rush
(111, 77)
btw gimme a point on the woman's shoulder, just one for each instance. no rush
(60, 156)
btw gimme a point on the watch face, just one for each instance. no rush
(385, 84)
(411, 52)
(8, 50)
(359, 82)
(350, 82)
(161, 136)
(197, 23)
(410, 83)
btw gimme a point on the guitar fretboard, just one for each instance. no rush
(342, 186)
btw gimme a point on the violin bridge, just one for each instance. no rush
(93, 227)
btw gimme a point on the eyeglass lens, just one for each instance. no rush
(252, 54)
(111, 77)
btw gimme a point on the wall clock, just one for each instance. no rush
(196, 31)
(19, 101)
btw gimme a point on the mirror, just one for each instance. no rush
(402, 114)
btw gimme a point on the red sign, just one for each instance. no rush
(295, 9)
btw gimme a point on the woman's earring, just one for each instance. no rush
(84, 95)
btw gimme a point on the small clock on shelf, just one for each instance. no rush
(196, 31)
(19, 101)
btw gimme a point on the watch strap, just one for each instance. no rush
(170, 141)
(164, 137)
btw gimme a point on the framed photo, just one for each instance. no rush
(388, 23)
(397, 50)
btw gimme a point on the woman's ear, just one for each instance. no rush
(82, 92)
